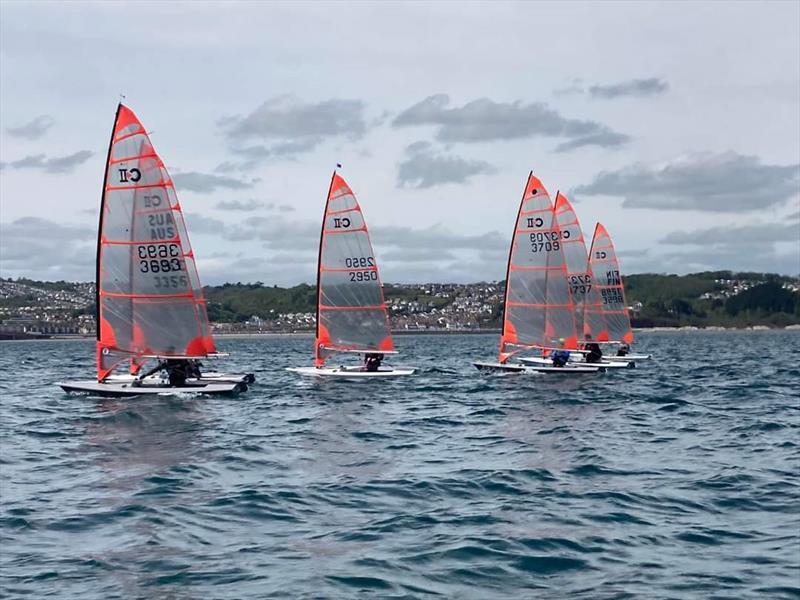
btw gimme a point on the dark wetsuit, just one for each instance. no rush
(372, 362)
(177, 371)
(623, 350)
(594, 355)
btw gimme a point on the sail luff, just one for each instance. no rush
(102, 372)
(503, 356)
(100, 225)
(318, 358)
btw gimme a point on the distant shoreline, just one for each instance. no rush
(302, 334)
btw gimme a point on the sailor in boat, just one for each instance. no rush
(372, 362)
(560, 356)
(178, 371)
(623, 350)
(593, 352)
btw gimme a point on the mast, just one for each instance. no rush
(100, 228)
(565, 265)
(319, 266)
(508, 270)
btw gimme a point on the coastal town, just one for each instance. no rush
(30, 309)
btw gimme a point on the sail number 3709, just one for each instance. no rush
(547, 241)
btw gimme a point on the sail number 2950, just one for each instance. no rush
(361, 262)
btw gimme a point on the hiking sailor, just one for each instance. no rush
(178, 371)
(560, 357)
(372, 362)
(593, 352)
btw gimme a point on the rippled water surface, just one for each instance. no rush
(677, 479)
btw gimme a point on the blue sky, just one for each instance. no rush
(677, 125)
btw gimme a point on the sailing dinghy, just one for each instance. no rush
(539, 310)
(150, 304)
(351, 312)
(579, 278)
(606, 315)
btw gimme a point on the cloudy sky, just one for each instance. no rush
(677, 125)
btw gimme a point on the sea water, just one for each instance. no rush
(677, 479)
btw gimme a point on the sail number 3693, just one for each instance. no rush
(159, 258)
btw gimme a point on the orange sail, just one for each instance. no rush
(579, 273)
(539, 310)
(607, 318)
(351, 312)
(149, 298)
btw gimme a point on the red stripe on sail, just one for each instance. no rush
(115, 161)
(360, 307)
(339, 187)
(330, 270)
(126, 118)
(533, 305)
(143, 186)
(353, 230)
(356, 208)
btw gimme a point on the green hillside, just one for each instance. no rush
(714, 298)
(239, 302)
(717, 298)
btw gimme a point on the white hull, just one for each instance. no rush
(538, 361)
(207, 377)
(520, 368)
(357, 372)
(633, 357)
(103, 388)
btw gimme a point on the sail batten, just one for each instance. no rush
(539, 310)
(351, 312)
(607, 317)
(149, 297)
